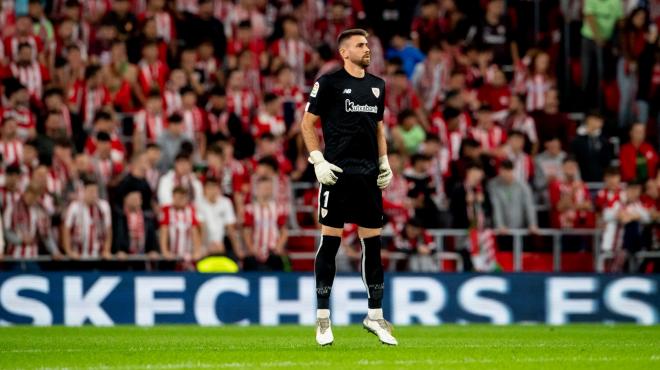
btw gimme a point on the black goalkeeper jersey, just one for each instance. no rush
(350, 109)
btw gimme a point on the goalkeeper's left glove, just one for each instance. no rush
(385, 172)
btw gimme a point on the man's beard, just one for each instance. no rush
(362, 62)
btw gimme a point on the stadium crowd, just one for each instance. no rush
(170, 129)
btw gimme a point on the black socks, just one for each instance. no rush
(372, 271)
(325, 268)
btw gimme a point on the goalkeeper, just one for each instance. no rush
(352, 172)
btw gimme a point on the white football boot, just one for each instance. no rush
(382, 329)
(324, 335)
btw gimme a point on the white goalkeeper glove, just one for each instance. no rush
(385, 172)
(325, 171)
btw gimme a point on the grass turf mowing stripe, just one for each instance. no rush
(448, 346)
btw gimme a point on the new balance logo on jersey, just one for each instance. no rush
(352, 107)
(347, 91)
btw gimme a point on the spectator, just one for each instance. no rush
(135, 181)
(11, 148)
(171, 142)
(570, 199)
(633, 37)
(428, 27)
(396, 204)
(497, 94)
(639, 161)
(216, 214)
(87, 231)
(548, 164)
(10, 191)
(518, 119)
(134, 229)
(418, 246)
(26, 224)
(181, 176)
(107, 169)
(523, 164)
(179, 233)
(269, 119)
(18, 106)
(512, 202)
(150, 122)
(487, 133)
(402, 48)
(624, 220)
(292, 50)
(29, 71)
(265, 232)
(495, 31)
(600, 19)
(431, 77)
(551, 122)
(89, 95)
(408, 134)
(468, 199)
(421, 190)
(592, 150)
(538, 81)
(612, 192)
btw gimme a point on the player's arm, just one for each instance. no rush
(384, 170)
(325, 171)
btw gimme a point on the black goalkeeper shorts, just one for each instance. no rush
(353, 199)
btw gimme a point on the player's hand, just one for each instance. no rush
(385, 175)
(325, 171)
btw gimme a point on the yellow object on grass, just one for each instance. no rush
(217, 264)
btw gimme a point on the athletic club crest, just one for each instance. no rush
(324, 212)
(376, 91)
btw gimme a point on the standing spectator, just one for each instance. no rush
(179, 234)
(512, 201)
(468, 196)
(523, 164)
(150, 122)
(431, 77)
(428, 27)
(612, 192)
(11, 148)
(108, 169)
(171, 142)
(26, 224)
(135, 181)
(421, 190)
(551, 122)
(496, 93)
(153, 72)
(17, 106)
(396, 204)
(265, 232)
(216, 214)
(639, 161)
(600, 19)
(418, 246)
(633, 43)
(292, 50)
(487, 133)
(89, 95)
(495, 31)
(592, 150)
(181, 176)
(408, 135)
(134, 229)
(548, 164)
(570, 199)
(403, 49)
(10, 191)
(624, 220)
(518, 119)
(32, 74)
(400, 96)
(538, 81)
(87, 231)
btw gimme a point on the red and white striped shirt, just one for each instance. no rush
(193, 122)
(165, 27)
(12, 43)
(535, 88)
(172, 101)
(118, 151)
(149, 124)
(88, 101)
(242, 103)
(266, 123)
(8, 197)
(265, 220)
(32, 76)
(523, 123)
(190, 6)
(25, 120)
(26, 221)
(488, 138)
(295, 53)
(12, 152)
(95, 9)
(152, 75)
(89, 226)
(430, 80)
(179, 223)
(450, 139)
(523, 165)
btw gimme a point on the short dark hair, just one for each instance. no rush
(179, 190)
(175, 118)
(103, 136)
(518, 133)
(346, 34)
(269, 161)
(612, 171)
(506, 165)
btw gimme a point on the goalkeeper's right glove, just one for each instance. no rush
(323, 169)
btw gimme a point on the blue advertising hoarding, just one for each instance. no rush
(271, 299)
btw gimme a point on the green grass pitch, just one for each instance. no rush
(284, 347)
